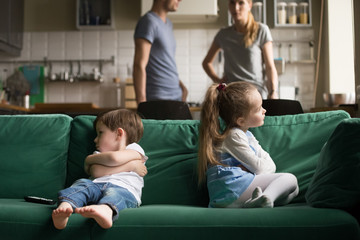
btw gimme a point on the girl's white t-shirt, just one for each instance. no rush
(129, 180)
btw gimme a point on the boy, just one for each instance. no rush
(116, 169)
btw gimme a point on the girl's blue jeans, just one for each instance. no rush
(85, 192)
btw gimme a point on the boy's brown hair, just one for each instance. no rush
(125, 119)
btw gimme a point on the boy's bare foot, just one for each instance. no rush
(102, 214)
(61, 214)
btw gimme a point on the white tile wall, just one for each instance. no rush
(192, 46)
(38, 45)
(293, 46)
(73, 45)
(56, 45)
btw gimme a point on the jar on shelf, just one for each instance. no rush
(281, 12)
(292, 12)
(257, 11)
(304, 12)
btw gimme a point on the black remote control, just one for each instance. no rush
(39, 200)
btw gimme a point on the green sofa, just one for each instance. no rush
(41, 154)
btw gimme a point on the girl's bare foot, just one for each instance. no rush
(61, 214)
(102, 214)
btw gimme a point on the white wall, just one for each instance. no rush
(341, 46)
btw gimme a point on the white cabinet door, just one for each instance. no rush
(189, 10)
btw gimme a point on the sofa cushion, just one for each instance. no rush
(24, 220)
(337, 177)
(294, 142)
(38, 146)
(295, 222)
(172, 147)
(81, 145)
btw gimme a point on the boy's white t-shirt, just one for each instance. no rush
(129, 180)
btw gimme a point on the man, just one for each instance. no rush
(155, 73)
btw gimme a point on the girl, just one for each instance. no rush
(239, 172)
(247, 45)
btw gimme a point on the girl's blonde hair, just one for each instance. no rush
(252, 29)
(125, 119)
(229, 103)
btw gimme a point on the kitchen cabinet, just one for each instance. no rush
(11, 26)
(189, 11)
(95, 14)
(292, 13)
(4, 21)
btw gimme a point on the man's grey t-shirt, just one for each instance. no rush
(162, 80)
(243, 64)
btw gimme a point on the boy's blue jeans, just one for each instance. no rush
(85, 192)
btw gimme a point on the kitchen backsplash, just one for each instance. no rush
(293, 45)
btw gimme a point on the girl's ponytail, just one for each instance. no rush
(210, 136)
(228, 102)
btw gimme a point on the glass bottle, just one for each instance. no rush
(281, 12)
(292, 12)
(304, 12)
(257, 11)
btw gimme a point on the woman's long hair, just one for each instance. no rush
(229, 103)
(252, 29)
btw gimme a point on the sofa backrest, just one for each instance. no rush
(293, 141)
(81, 145)
(172, 146)
(33, 154)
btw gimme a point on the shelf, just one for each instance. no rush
(71, 76)
(281, 16)
(74, 81)
(277, 41)
(46, 61)
(301, 62)
(298, 25)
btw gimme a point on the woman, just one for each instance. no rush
(247, 45)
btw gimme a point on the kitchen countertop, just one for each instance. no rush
(64, 107)
(72, 109)
(352, 109)
(13, 107)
